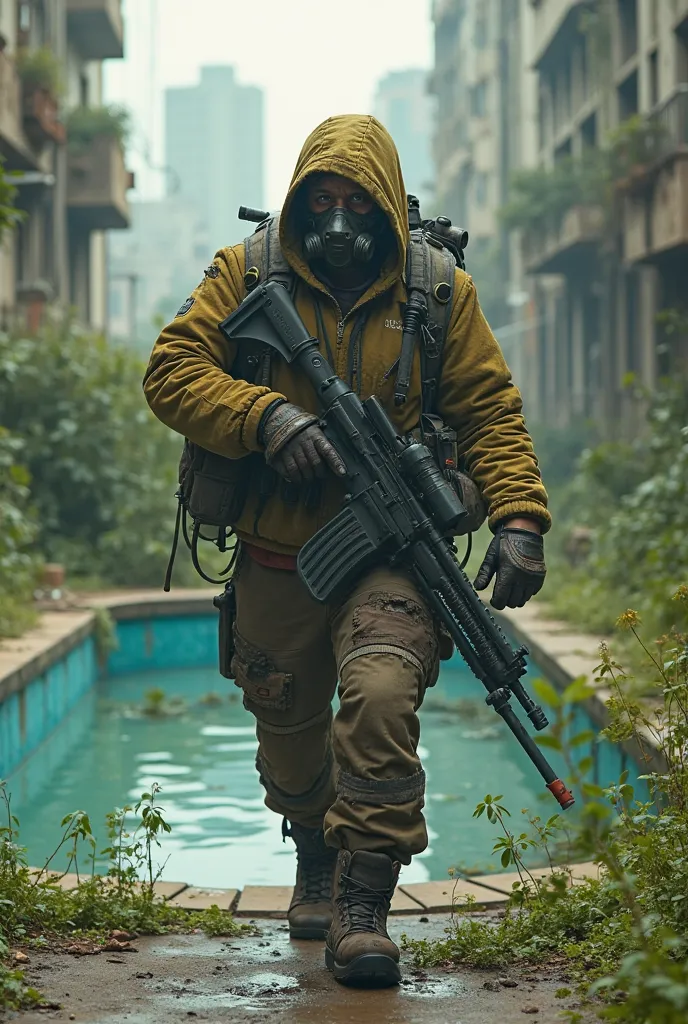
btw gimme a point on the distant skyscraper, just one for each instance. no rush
(214, 146)
(403, 105)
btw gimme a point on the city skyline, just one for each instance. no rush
(302, 84)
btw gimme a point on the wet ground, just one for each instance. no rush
(268, 978)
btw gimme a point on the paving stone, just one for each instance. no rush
(435, 897)
(264, 900)
(403, 903)
(202, 899)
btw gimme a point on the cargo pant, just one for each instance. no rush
(360, 774)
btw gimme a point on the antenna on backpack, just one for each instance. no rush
(255, 216)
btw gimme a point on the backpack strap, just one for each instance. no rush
(265, 261)
(439, 271)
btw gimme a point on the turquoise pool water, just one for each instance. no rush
(106, 752)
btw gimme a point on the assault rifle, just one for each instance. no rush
(398, 508)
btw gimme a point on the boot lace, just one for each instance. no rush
(362, 903)
(316, 878)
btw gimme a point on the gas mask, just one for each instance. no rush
(340, 237)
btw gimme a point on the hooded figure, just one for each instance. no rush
(352, 789)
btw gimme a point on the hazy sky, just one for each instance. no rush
(313, 58)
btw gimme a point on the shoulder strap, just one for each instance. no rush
(265, 262)
(431, 270)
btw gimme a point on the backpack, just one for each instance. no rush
(213, 489)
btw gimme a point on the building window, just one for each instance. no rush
(480, 34)
(628, 28)
(589, 132)
(478, 100)
(653, 75)
(628, 97)
(481, 189)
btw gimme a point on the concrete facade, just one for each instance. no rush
(485, 129)
(587, 290)
(405, 107)
(58, 252)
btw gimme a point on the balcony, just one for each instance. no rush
(554, 20)
(41, 120)
(655, 195)
(14, 146)
(568, 247)
(96, 27)
(97, 186)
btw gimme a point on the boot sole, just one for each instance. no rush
(370, 969)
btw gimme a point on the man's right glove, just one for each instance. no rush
(295, 445)
(517, 557)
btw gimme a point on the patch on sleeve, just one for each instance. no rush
(213, 271)
(185, 307)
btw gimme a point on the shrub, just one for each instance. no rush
(84, 124)
(103, 469)
(40, 69)
(17, 533)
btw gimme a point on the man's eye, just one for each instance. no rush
(323, 197)
(358, 197)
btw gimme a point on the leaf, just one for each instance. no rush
(577, 691)
(547, 693)
(506, 858)
(587, 736)
(548, 741)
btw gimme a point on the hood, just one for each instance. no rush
(358, 147)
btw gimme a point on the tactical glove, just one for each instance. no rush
(295, 446)
(518, 558)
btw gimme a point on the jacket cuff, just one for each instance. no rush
(520, 508)
(251, 427)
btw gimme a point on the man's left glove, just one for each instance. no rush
(518, 558)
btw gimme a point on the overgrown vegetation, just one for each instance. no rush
(102, 470)
(625, 935)
(17, 533)
(84, 124)
(632, 499)
(103, 910)
(9, 214)
(41, 69)
(541, 196)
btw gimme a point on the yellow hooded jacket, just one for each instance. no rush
(189, 385)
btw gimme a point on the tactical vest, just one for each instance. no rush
(213, 489)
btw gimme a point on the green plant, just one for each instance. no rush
(103, 469)
(17, 534)
(624, 935)
(41, 69)
(10, 216)
(632, 496)
(84, 124)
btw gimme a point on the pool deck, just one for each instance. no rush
(272, 901)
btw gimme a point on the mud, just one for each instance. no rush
(268, 978)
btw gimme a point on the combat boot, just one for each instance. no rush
(359, 951)
(310, 910)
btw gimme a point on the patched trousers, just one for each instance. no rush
(359, 774)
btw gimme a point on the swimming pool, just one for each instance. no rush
(107, 751)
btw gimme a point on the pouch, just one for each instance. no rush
(226, 605)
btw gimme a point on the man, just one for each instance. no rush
(350, 791)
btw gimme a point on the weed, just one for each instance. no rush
(624, 935)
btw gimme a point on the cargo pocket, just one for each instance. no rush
(254, 673)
